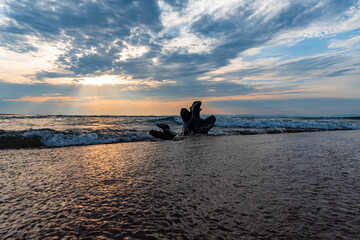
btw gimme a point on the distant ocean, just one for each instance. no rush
(24, 131)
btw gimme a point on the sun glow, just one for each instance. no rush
(103, 80)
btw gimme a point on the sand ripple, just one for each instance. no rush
(289, 186)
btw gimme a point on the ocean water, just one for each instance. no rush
(19, 131)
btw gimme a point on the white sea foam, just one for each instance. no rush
(57, 131)
(320, 124)
(52, 138)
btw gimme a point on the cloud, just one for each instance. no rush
(134, 107)
(239, 64)
(101, 105)
(325, 18)
(130, 52)
(151, 106)
(98, 37)
(90, 31)
(189, 43)
(348, 43)
(251, 51)
(292, 107)
(19, 66)
(173, 49)
(124, 82)
(17, 90)
(44, 98)
(280, 69)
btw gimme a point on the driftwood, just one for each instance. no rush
(166, 134)
(192, 124)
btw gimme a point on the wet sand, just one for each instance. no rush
(281, 186)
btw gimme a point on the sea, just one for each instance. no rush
(250, 178)
(26, 131)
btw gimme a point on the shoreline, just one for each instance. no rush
(35, 143)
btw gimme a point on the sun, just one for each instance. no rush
(101, 80)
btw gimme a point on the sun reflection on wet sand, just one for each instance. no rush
(198, 188)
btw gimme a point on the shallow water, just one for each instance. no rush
(285, 186)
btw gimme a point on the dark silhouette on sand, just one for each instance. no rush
(192, 124)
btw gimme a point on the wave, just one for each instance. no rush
(254, 131)
(51, 138)
(165, 119)
(286, 123)
(94, 130)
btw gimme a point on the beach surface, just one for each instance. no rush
(266, 186)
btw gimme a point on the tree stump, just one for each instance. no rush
(192, 124)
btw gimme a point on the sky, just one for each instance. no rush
(122, 57)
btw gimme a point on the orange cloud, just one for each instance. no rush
(41, 99)
(150, 106)
(138, 107)
(99, 105)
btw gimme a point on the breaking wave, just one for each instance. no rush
(165, 119)
(52, 138)
(24, 131)
(286, 123)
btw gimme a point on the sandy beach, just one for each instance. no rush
(273, 186)
(170, 119)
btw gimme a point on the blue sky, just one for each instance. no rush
(154, 57)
